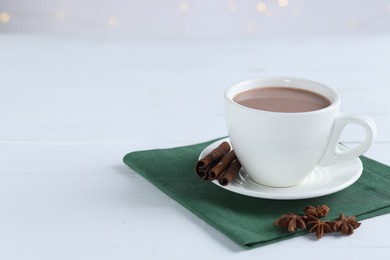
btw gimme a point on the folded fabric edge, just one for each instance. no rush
(205, 143)
(374, 213)
(256, 244)
(192, 210)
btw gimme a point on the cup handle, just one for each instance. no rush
(334, 154)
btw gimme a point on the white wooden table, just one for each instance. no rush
(70, 109)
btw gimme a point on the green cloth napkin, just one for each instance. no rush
(249, 221)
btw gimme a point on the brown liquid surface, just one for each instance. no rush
(282, 99)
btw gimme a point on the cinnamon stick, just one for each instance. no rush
(204, 165)
(204, 172)
(222, 165)
(230, 173)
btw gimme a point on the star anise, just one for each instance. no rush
(291, 221)
(318, 226)
(319, 211)
(346, 225)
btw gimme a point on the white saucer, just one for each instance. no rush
(321, 181)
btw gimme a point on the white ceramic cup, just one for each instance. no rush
(280, 149)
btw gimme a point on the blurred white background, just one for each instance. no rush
(115, 76)
(195, 18)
